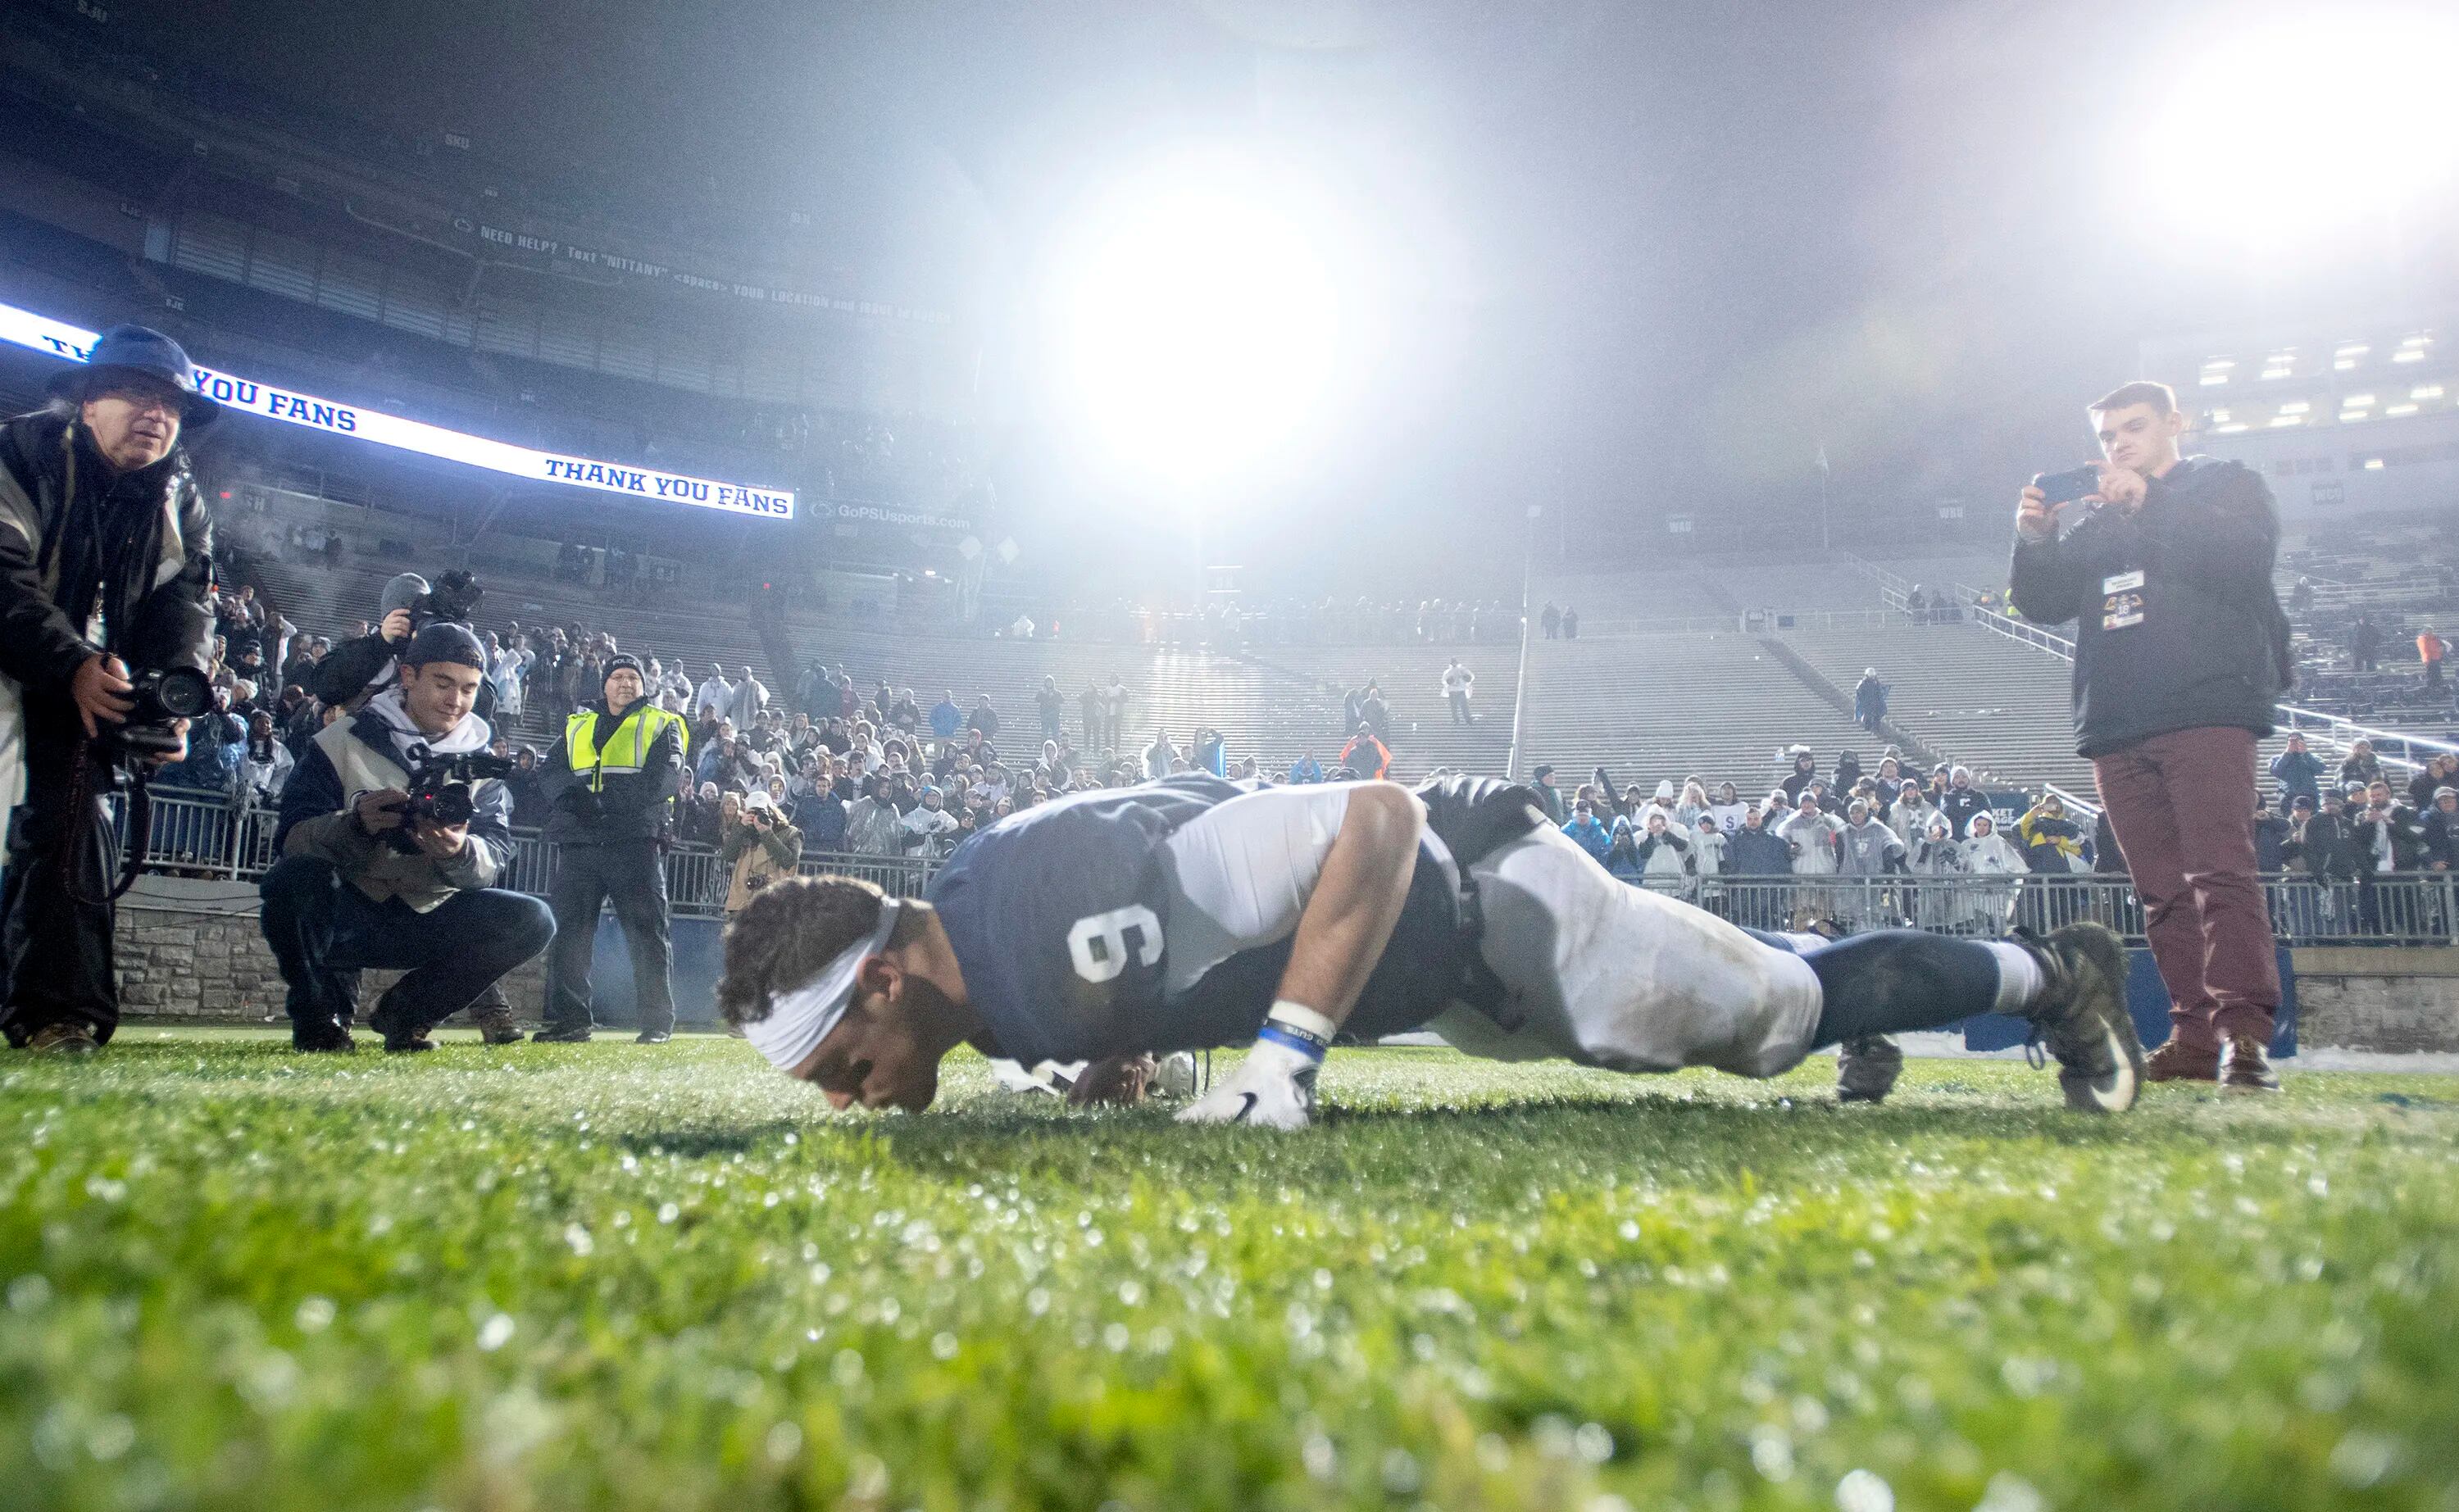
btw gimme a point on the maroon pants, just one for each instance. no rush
(2182, 804)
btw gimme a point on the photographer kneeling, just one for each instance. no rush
(364, 667)
(100, 525)
(372, 876)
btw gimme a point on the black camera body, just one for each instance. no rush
(455, 596)
(2064, 488)
(161, 696)
(444, 788)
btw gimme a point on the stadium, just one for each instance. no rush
(563, 563)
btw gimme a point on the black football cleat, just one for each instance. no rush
(2082, 1019)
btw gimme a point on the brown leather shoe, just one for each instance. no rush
(2179, 1061)
(495, 1023)
(63, 1040)
(2243, 1067)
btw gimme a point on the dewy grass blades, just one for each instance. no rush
(585, 1277)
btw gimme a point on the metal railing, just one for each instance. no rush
(200, 835)
(203, 836)
(2395, 748)
(2399, 907)
(1752, 622)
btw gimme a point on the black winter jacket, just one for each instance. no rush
(75, 538)
(2321, 852)
(1960, 804)
(2200, 640)
(1756, 853)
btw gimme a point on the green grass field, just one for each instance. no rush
(597, 1275)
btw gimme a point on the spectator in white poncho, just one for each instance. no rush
(1812, 834)
(1989, 855)
(1913, 813)
(1664, 854)
(1707, 860)
(1937, 860)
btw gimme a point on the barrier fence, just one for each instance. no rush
(207, 837)
(195, 835)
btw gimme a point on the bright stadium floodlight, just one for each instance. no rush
(2306, 133)
(1198, 322)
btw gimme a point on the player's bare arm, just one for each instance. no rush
(1348, 921)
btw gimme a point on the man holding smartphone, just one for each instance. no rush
(2181, 651)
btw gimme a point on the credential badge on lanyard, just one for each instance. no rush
(2121, 599)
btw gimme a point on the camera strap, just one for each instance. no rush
(83, 808)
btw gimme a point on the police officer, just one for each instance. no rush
(105, 562)
(610, 779)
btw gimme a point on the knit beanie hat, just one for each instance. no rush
(443, 640)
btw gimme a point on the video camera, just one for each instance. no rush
(444, 789)
(455, 596)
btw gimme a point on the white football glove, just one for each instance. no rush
(1273, 1088)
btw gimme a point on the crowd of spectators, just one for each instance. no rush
(1895, 822)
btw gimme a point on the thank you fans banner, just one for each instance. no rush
(655, 486)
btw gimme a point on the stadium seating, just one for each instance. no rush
(1423, 736)
(1264, 705)
(1998, 705)
(1652, 707)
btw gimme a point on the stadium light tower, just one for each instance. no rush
(2308, 136)
(1197, 321)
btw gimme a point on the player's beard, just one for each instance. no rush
(923, 1032)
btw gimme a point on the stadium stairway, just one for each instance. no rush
(1999, 707)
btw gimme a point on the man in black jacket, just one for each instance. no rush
(1961, 801)
(2180, 657)
(101, 525)
(610, 784)
(2384, 836)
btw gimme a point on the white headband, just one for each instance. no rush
(798, 1021)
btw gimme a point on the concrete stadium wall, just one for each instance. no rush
(2365, 998)
(190, 950)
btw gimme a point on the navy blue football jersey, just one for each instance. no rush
(1064, 918)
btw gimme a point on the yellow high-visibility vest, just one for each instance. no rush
(624, 749)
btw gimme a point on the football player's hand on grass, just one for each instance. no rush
(1273, 1088)
(1120, 1081)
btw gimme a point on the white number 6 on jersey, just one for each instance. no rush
(1109, 933)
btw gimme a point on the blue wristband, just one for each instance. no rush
(1276, 1035)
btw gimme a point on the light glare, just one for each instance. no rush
(1202, 326)
(2281, 105)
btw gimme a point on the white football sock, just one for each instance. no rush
(2019, 976)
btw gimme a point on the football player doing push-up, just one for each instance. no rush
(1190, 912)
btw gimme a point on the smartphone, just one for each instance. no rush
(2064, 488)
